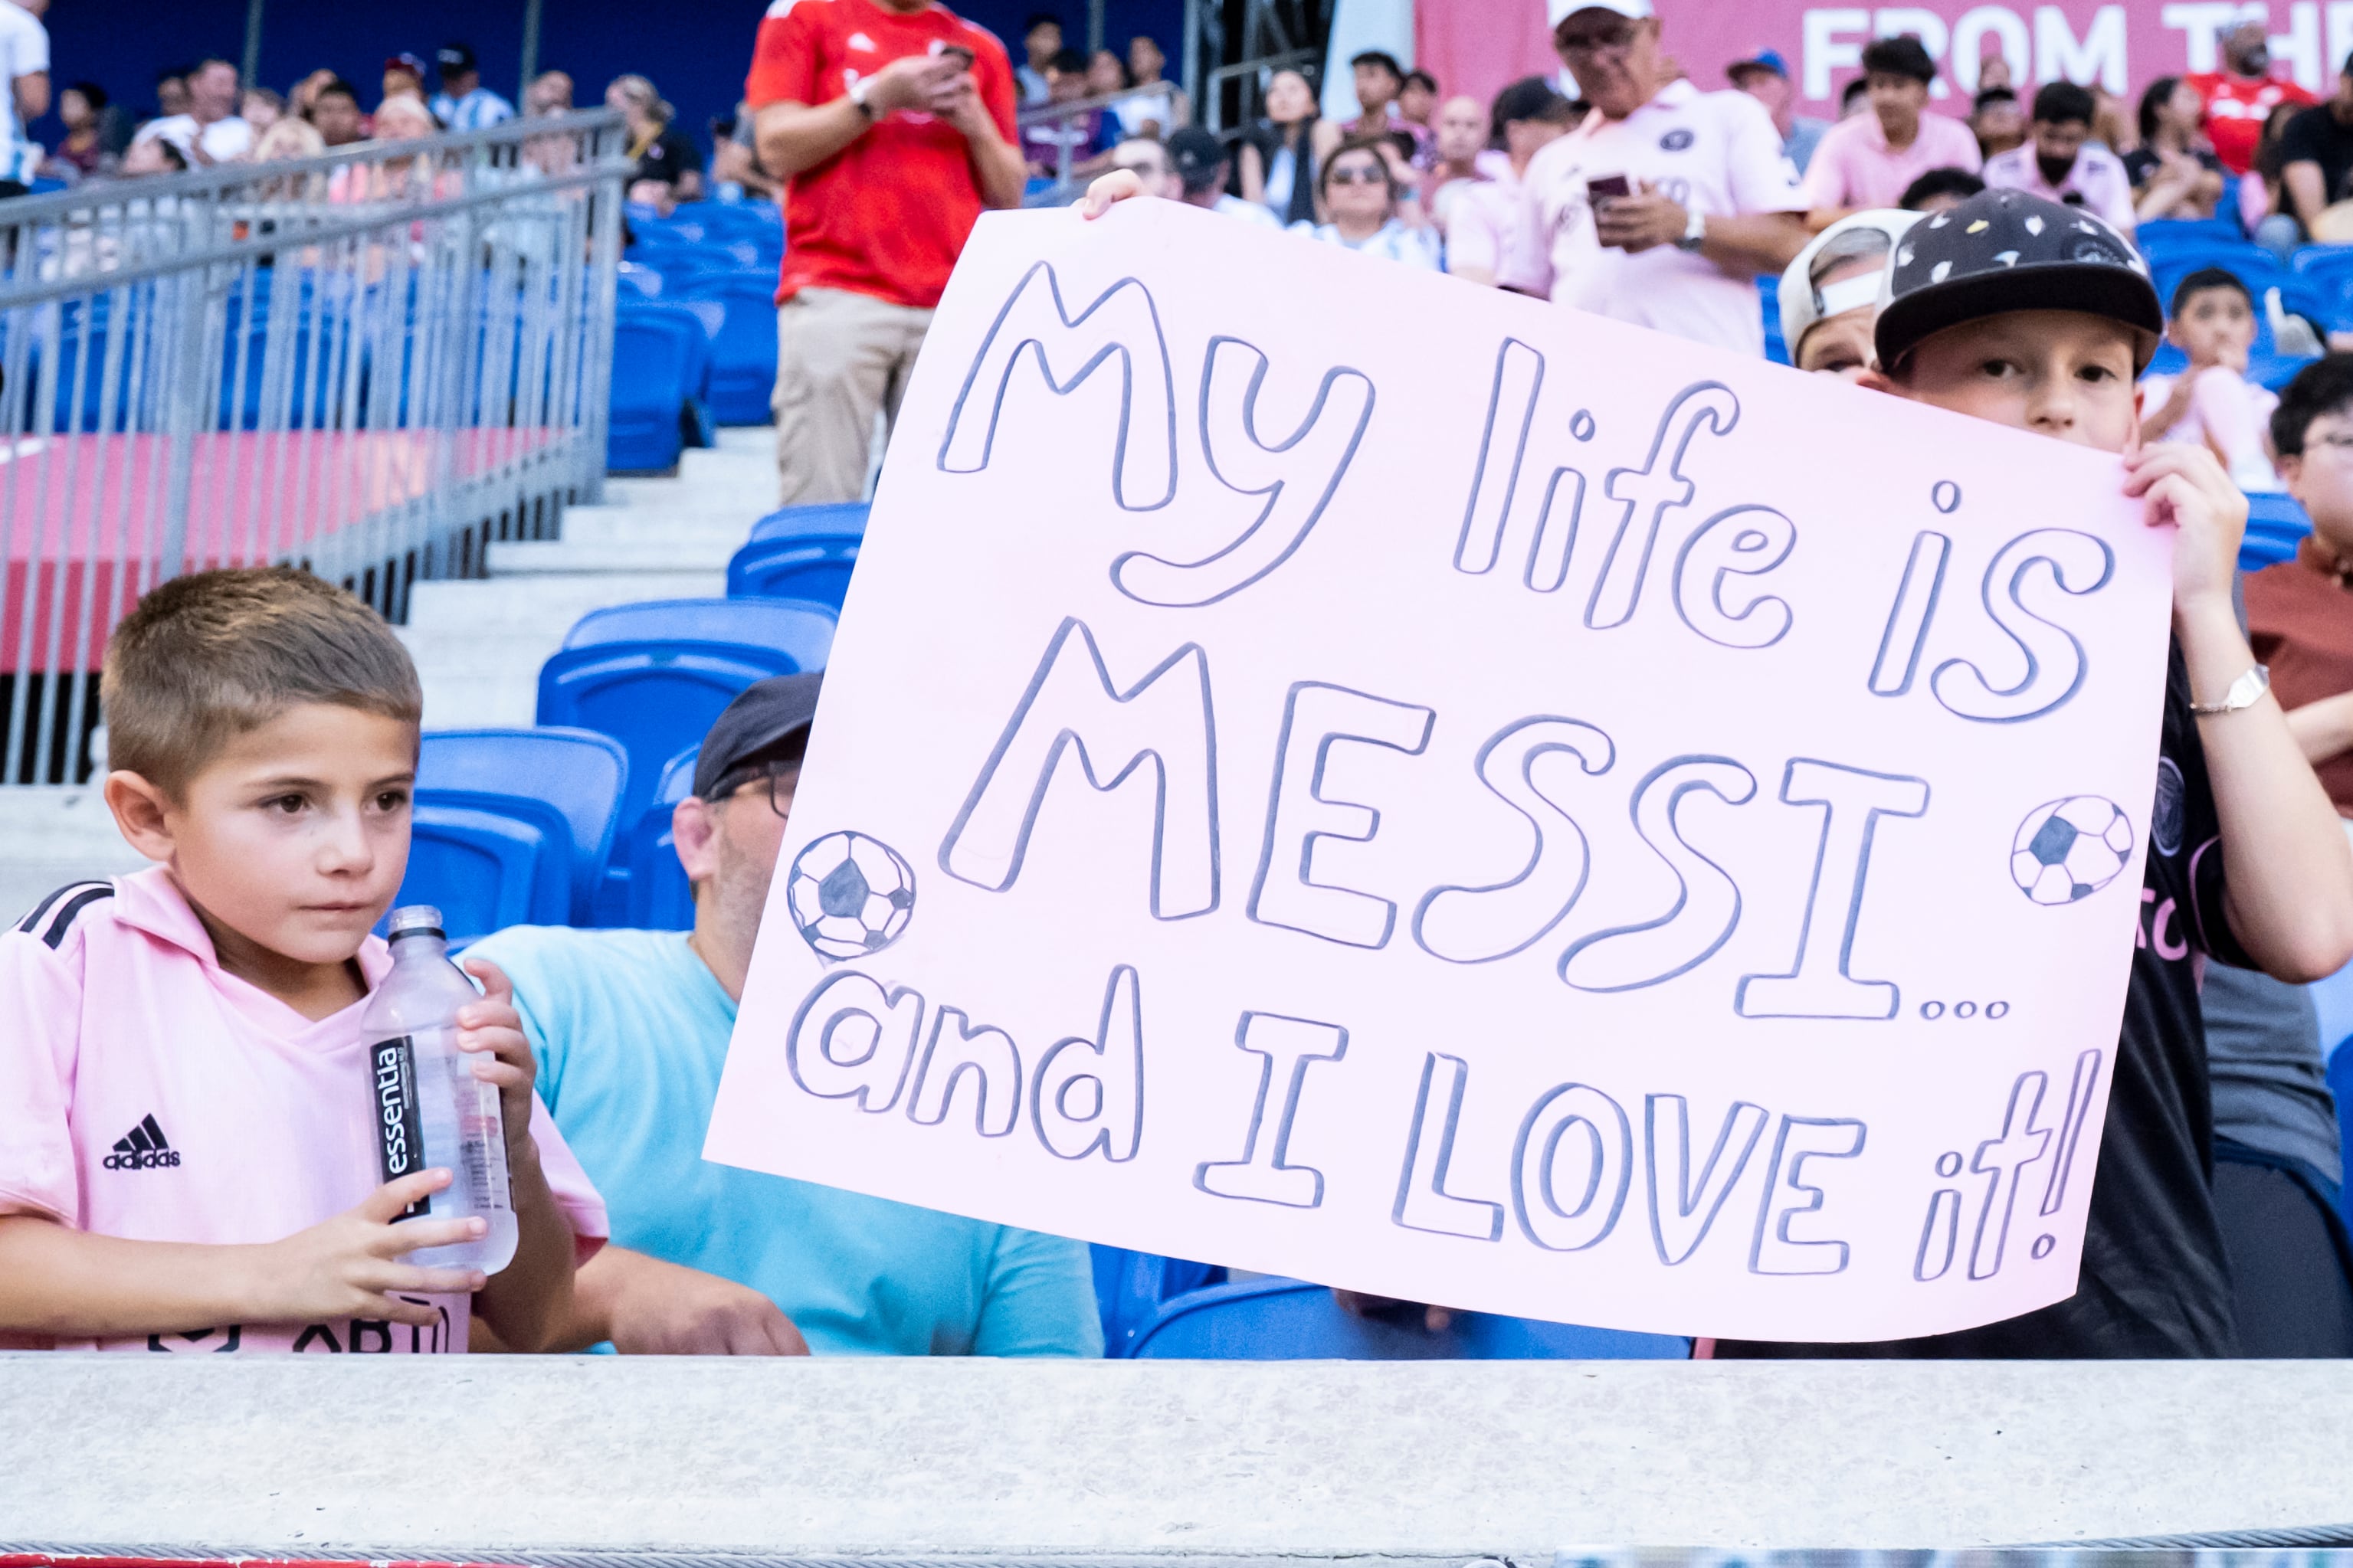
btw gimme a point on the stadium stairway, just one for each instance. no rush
(477, 642)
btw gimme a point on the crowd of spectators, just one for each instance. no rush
(205, 116)
(1984, 264)
(1622, 188)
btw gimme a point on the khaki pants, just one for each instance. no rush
(841, 359)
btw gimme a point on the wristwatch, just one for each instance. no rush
(857, 91)
(1694, 231)
(2244, 692)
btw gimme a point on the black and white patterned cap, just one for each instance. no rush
(2002, 251)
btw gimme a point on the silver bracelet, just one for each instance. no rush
(2244, 692)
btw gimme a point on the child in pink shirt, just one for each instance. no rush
(2212, 403)
(187, 1160)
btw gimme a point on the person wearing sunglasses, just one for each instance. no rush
(630, 1028)
(1359, 188)
(1665, 205)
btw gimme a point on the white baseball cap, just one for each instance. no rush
(1559, 11)
(1807, 299)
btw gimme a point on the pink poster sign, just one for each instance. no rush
(1339, 773)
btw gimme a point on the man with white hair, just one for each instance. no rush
(1665, 205)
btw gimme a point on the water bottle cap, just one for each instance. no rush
(415, 919)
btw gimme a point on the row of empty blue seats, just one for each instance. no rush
(712, 266)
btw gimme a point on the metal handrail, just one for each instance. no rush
(371, 361)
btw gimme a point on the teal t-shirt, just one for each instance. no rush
(631, 1029)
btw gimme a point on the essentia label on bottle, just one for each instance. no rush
(399, 1130)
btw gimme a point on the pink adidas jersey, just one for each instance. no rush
(147, 1095)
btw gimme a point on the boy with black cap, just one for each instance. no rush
(2038, 316)
(630, 1028)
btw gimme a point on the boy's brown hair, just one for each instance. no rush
(207, 657)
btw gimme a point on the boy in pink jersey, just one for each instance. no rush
(187, 1160)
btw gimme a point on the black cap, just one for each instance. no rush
(2002, 251)
(1195, 154)
(763, 713)
(455, 59)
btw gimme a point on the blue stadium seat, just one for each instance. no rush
(1286, 1319)
(485, 866)
(1132, 1287)
(2340, 1084)
(826, 517)
(649, 394)
(659, 897)
(2164, 234)
(579, 774)
(653, 676)
(744, 354)
(2274, 525)
(1768, 290)
(800, 553)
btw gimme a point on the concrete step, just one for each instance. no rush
(479, 644)
(653, 550)
(52, 835)
(457, 613)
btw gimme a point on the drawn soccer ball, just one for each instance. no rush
(2069, 849)
(851, 895)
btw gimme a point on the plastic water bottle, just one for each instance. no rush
(430, 1109)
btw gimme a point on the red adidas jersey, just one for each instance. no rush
(888, 215)
(2236, 109)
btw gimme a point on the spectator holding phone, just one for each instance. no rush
(1665, 205)
(891, 121)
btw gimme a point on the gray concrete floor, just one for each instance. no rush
(435, 1456)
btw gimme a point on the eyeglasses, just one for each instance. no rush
(779, 777)
(1360, 174)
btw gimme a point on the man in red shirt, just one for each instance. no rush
(893, 121)
(2242, 96)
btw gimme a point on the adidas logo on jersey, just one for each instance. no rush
(143, 1148)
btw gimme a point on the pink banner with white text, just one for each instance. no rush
(1477, 46)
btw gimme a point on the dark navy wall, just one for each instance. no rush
(695, 51)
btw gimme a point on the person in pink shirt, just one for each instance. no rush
(187, 1161)
(1482, 221)
(2061, 163)
(1868, 160)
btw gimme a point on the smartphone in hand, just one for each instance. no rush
(1601, 190)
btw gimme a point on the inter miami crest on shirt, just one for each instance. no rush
(143, 1148)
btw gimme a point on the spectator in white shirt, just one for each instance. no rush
(1360, 192)
(1199, 168)
(211, 132)
(1484, 216)
(464, 103)
(2061, 163)
(25, 59)
(1708, 201)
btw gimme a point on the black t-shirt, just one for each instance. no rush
(667, 157)
(2155, 1281)
(2315, 137)
(2140, 163)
